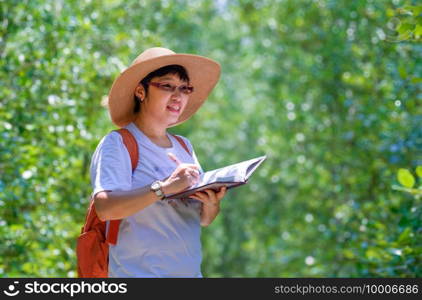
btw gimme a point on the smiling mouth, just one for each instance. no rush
(173, 109)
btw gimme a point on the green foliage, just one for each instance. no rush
(329, 90)
(406, 178)
(419, 171)
(409, 26)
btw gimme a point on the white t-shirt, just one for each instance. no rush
(163, 239)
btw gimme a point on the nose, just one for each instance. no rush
(177, 92)
(176, 95)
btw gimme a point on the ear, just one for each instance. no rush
(140, 92)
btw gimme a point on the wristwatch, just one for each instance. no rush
(156, 188)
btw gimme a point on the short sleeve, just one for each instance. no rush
(110, 165)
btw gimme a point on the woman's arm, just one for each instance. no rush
(113, 205)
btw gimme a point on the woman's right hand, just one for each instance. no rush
(184, 176)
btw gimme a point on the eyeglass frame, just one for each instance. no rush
(172, 87)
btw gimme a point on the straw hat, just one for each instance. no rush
(203, 74)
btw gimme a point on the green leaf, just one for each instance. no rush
(405, 178)
(418, 30)
(405, 236)
(416, 80)
(419, 171)
(415, 9)
(372, 253)
(348, 254)
(405, 28)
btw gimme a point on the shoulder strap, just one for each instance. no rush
(132, 147)
(182, 142)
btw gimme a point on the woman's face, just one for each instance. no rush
(160, 103)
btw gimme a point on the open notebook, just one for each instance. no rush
(229, 176)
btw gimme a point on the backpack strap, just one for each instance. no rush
(132, 147)
(182, 142)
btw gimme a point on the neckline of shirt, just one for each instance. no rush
(144, 137)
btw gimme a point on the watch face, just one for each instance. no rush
(155, 186)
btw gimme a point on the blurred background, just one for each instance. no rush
(329, 90)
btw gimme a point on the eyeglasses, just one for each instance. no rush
(184, 89)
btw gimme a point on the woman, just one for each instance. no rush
(156, 238)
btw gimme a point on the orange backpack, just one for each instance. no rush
(92, 244)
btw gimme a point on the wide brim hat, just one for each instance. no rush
(203, 76)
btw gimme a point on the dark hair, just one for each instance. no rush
(170, 69)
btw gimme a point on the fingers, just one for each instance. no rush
(201, 197)
(216, 195)
(191, 177)
(184, 175)
(191, 168)
(211, 194)
(208, 197)
(192, 172)
(189, 171)
(174, 158)
(221, 192)
(179, 163)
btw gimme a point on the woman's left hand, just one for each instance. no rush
(210, 204)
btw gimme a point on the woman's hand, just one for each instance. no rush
(183, 177)
(210, 204)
